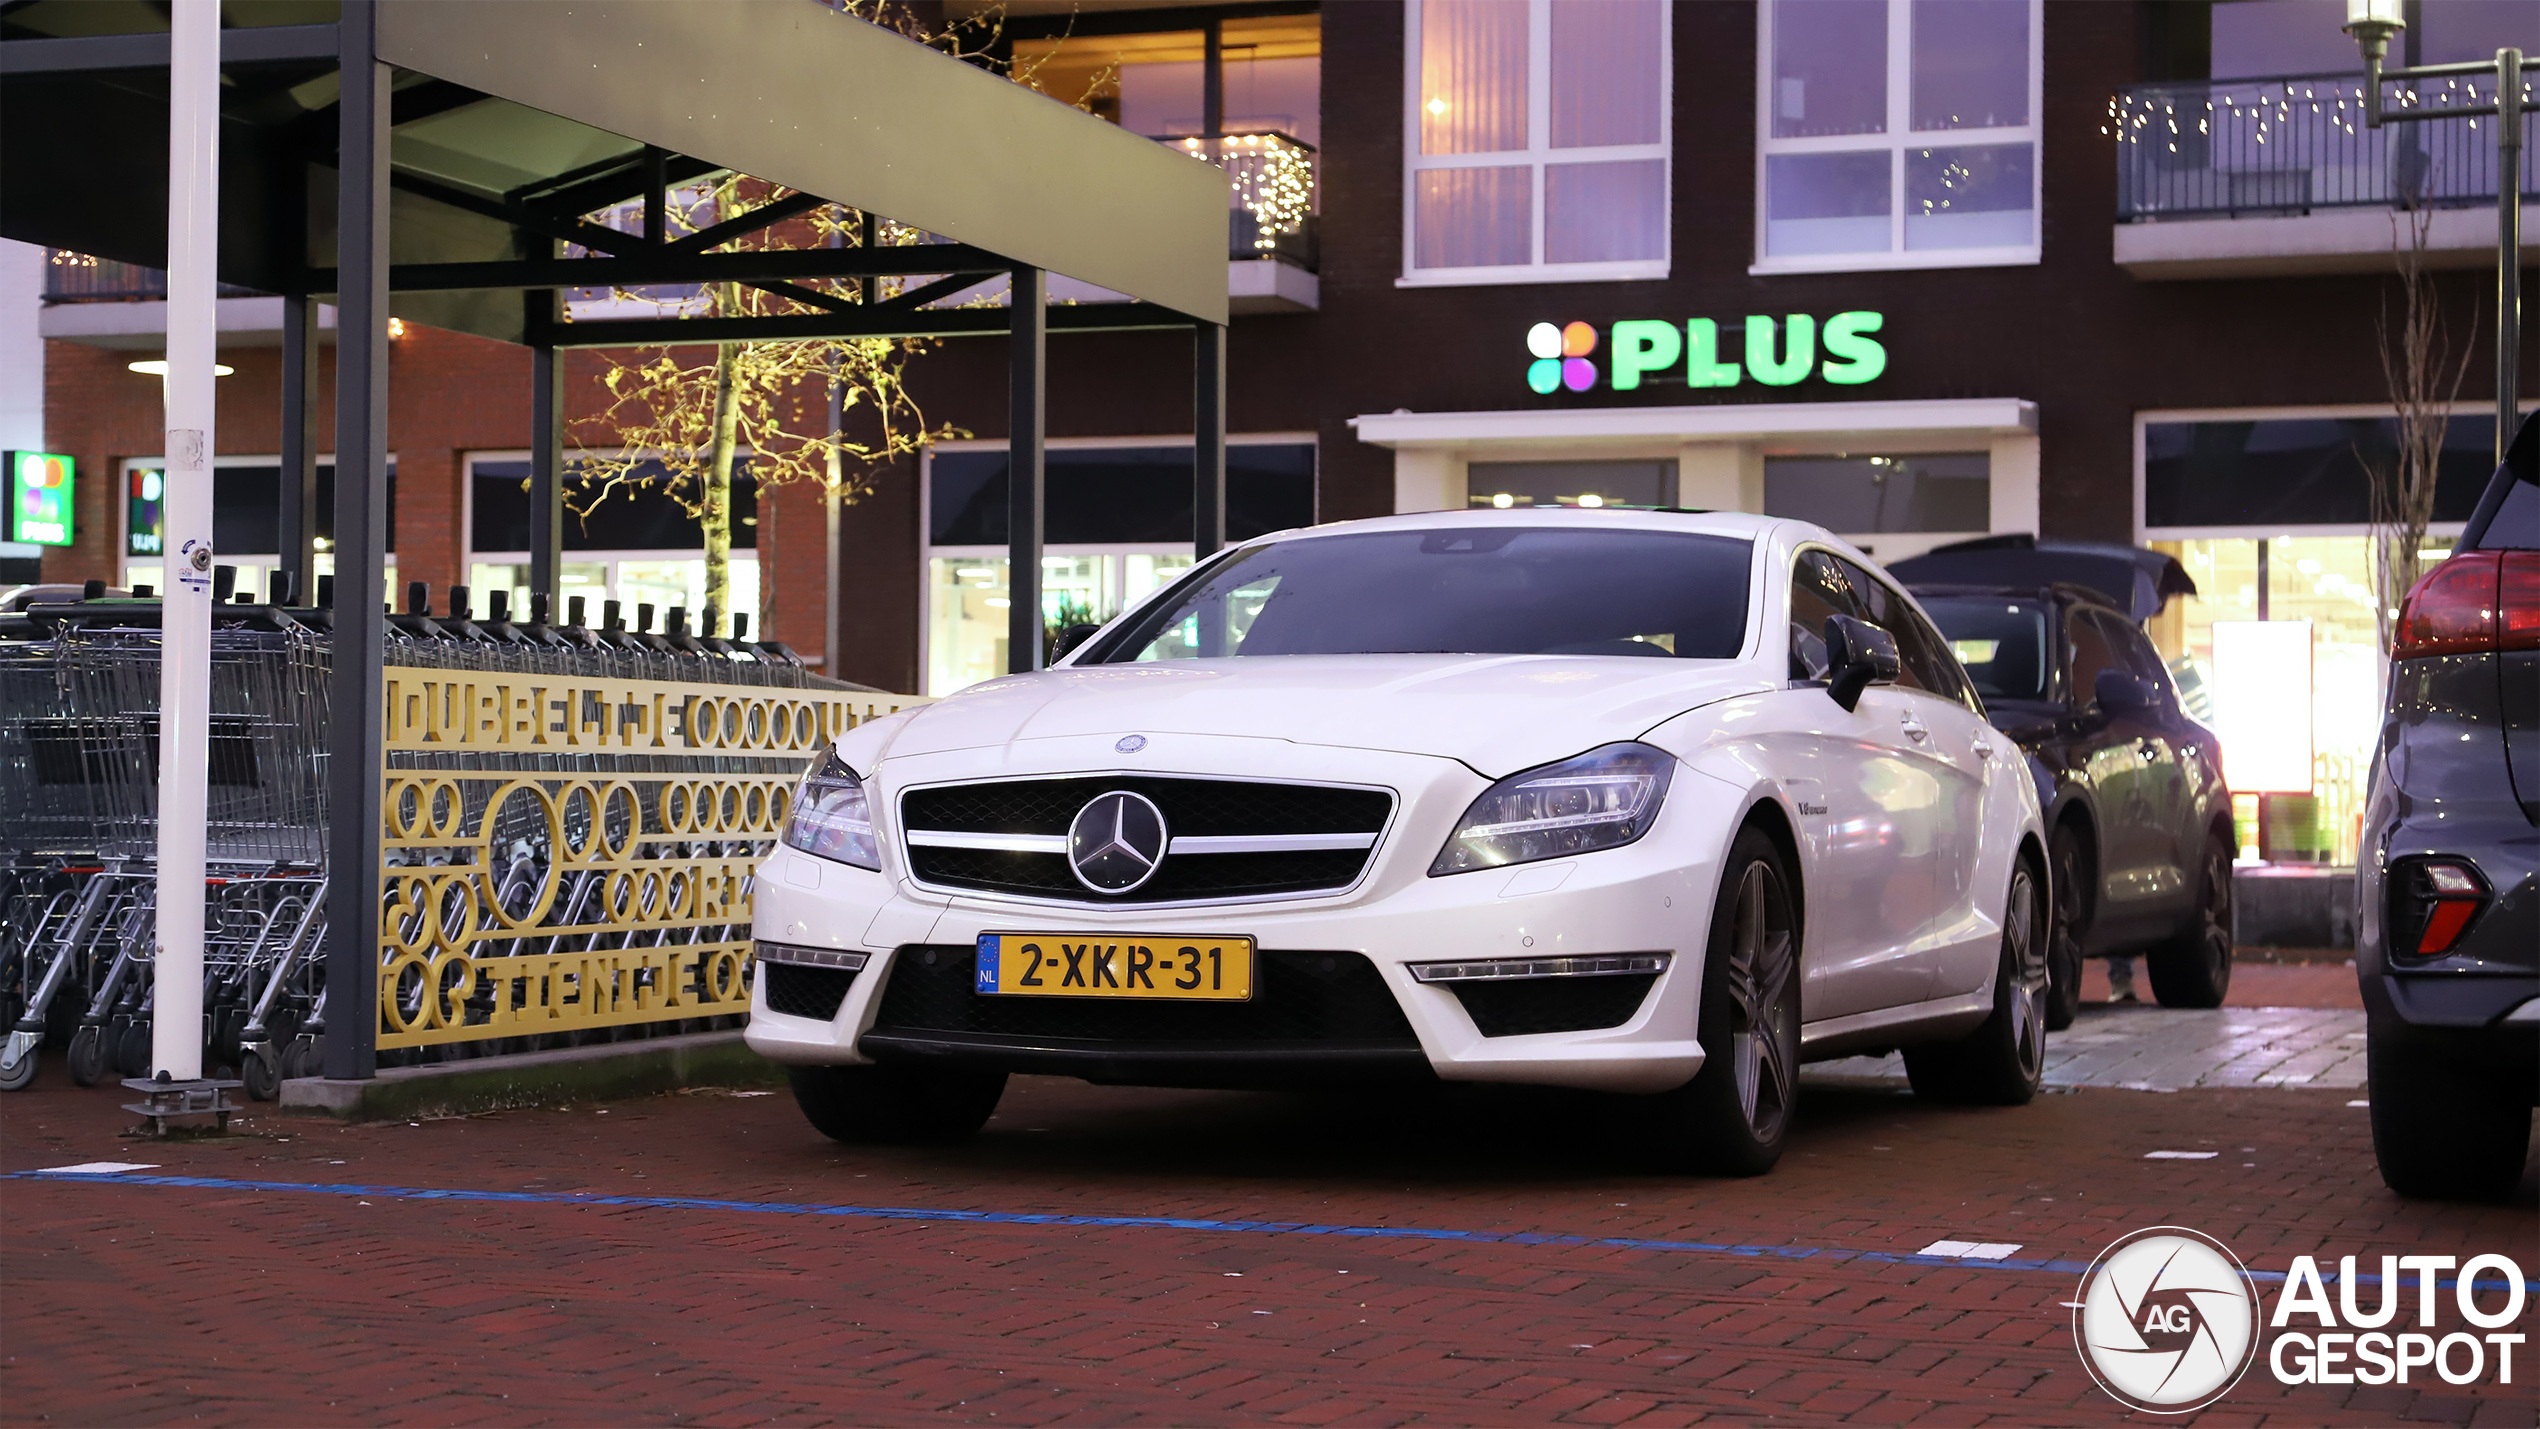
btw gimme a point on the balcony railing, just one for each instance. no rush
(78, 278)
(2293, 143)
(1271, 192)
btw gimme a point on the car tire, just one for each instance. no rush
(2064, 929)
(2002, 1062)
(2441, 1130)
(2194, 969)
(895, 1106)
(1734, 1116)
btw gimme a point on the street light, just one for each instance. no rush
(2373, 23)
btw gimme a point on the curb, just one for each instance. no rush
(606, 1072)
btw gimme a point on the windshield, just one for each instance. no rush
(2002, 643)
(1496, 590)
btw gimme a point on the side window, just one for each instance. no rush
(1948, 680)
(2092, 652)
(1817, 589)
(1914, 657)
(2141, 658)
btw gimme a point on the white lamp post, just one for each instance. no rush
(2373, 23)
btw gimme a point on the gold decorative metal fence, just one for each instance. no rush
(565, 852)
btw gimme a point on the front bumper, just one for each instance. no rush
(1647, 897)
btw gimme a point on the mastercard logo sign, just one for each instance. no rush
(40, 498)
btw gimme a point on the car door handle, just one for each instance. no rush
(1914, 731)
(1983, 750)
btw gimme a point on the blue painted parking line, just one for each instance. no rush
(1836, 1255)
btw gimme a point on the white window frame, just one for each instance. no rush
(1898, 138)
(1535, 156)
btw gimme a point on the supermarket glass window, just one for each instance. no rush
(1536, 140)
(1506, 484)
(2328, 582)
(1856, 495)
(1116, 527)
(2279, 473)
(638, 546)
(246, 507)
(1897, 134)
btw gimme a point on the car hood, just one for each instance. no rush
(1495, 713)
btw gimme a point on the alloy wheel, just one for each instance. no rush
(2215, 916)
(2027, 959)
(1761, 962)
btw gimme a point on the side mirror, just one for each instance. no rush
(1069, 637)
(2120, 692)
(1858, 654)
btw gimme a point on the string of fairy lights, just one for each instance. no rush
(2314, 135)
(1272, 177)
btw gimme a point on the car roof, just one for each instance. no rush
(1620, 518)
(2133, 579)
(2064, 591)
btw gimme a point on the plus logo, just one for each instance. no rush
(1561, 357)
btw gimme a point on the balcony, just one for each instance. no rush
(79, 278)
(1271, 217)
(103, 303)
(2274, 176)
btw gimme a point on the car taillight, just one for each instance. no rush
(2452, 609)
(2518, 602)
(2432, 901)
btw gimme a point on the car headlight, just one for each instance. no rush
(832, 818)
(1603, 799)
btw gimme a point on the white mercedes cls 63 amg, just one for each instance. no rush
(1654, 803)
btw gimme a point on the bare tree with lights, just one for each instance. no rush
(2423, 376)
(832, 411)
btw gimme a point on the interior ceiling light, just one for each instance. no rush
(158, 367)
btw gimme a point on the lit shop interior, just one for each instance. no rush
(1117, 525)
(2271, 516)
(636, 544)
(246, 521)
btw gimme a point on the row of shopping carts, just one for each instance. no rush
(78, 809)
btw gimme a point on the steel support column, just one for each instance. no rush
(1029, 325)
(296, 537)
(1208, 445)
(356, 717)
(2509, 66)
(185, 647)
(546, 474)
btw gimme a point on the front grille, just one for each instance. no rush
(1192, 808)
(799, 991)
(1513, 1007)
(1296, 998)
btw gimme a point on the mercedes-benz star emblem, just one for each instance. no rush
(1116, 842)
(1131, 743)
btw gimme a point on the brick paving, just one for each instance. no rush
(2140, 1047)
(228, 1303)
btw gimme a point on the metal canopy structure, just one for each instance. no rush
(434, 160)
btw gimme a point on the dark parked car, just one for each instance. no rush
(2448, 881)
(2138, 816)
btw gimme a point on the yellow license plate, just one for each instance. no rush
(1115, 965)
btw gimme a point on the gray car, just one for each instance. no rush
(2448, 881)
